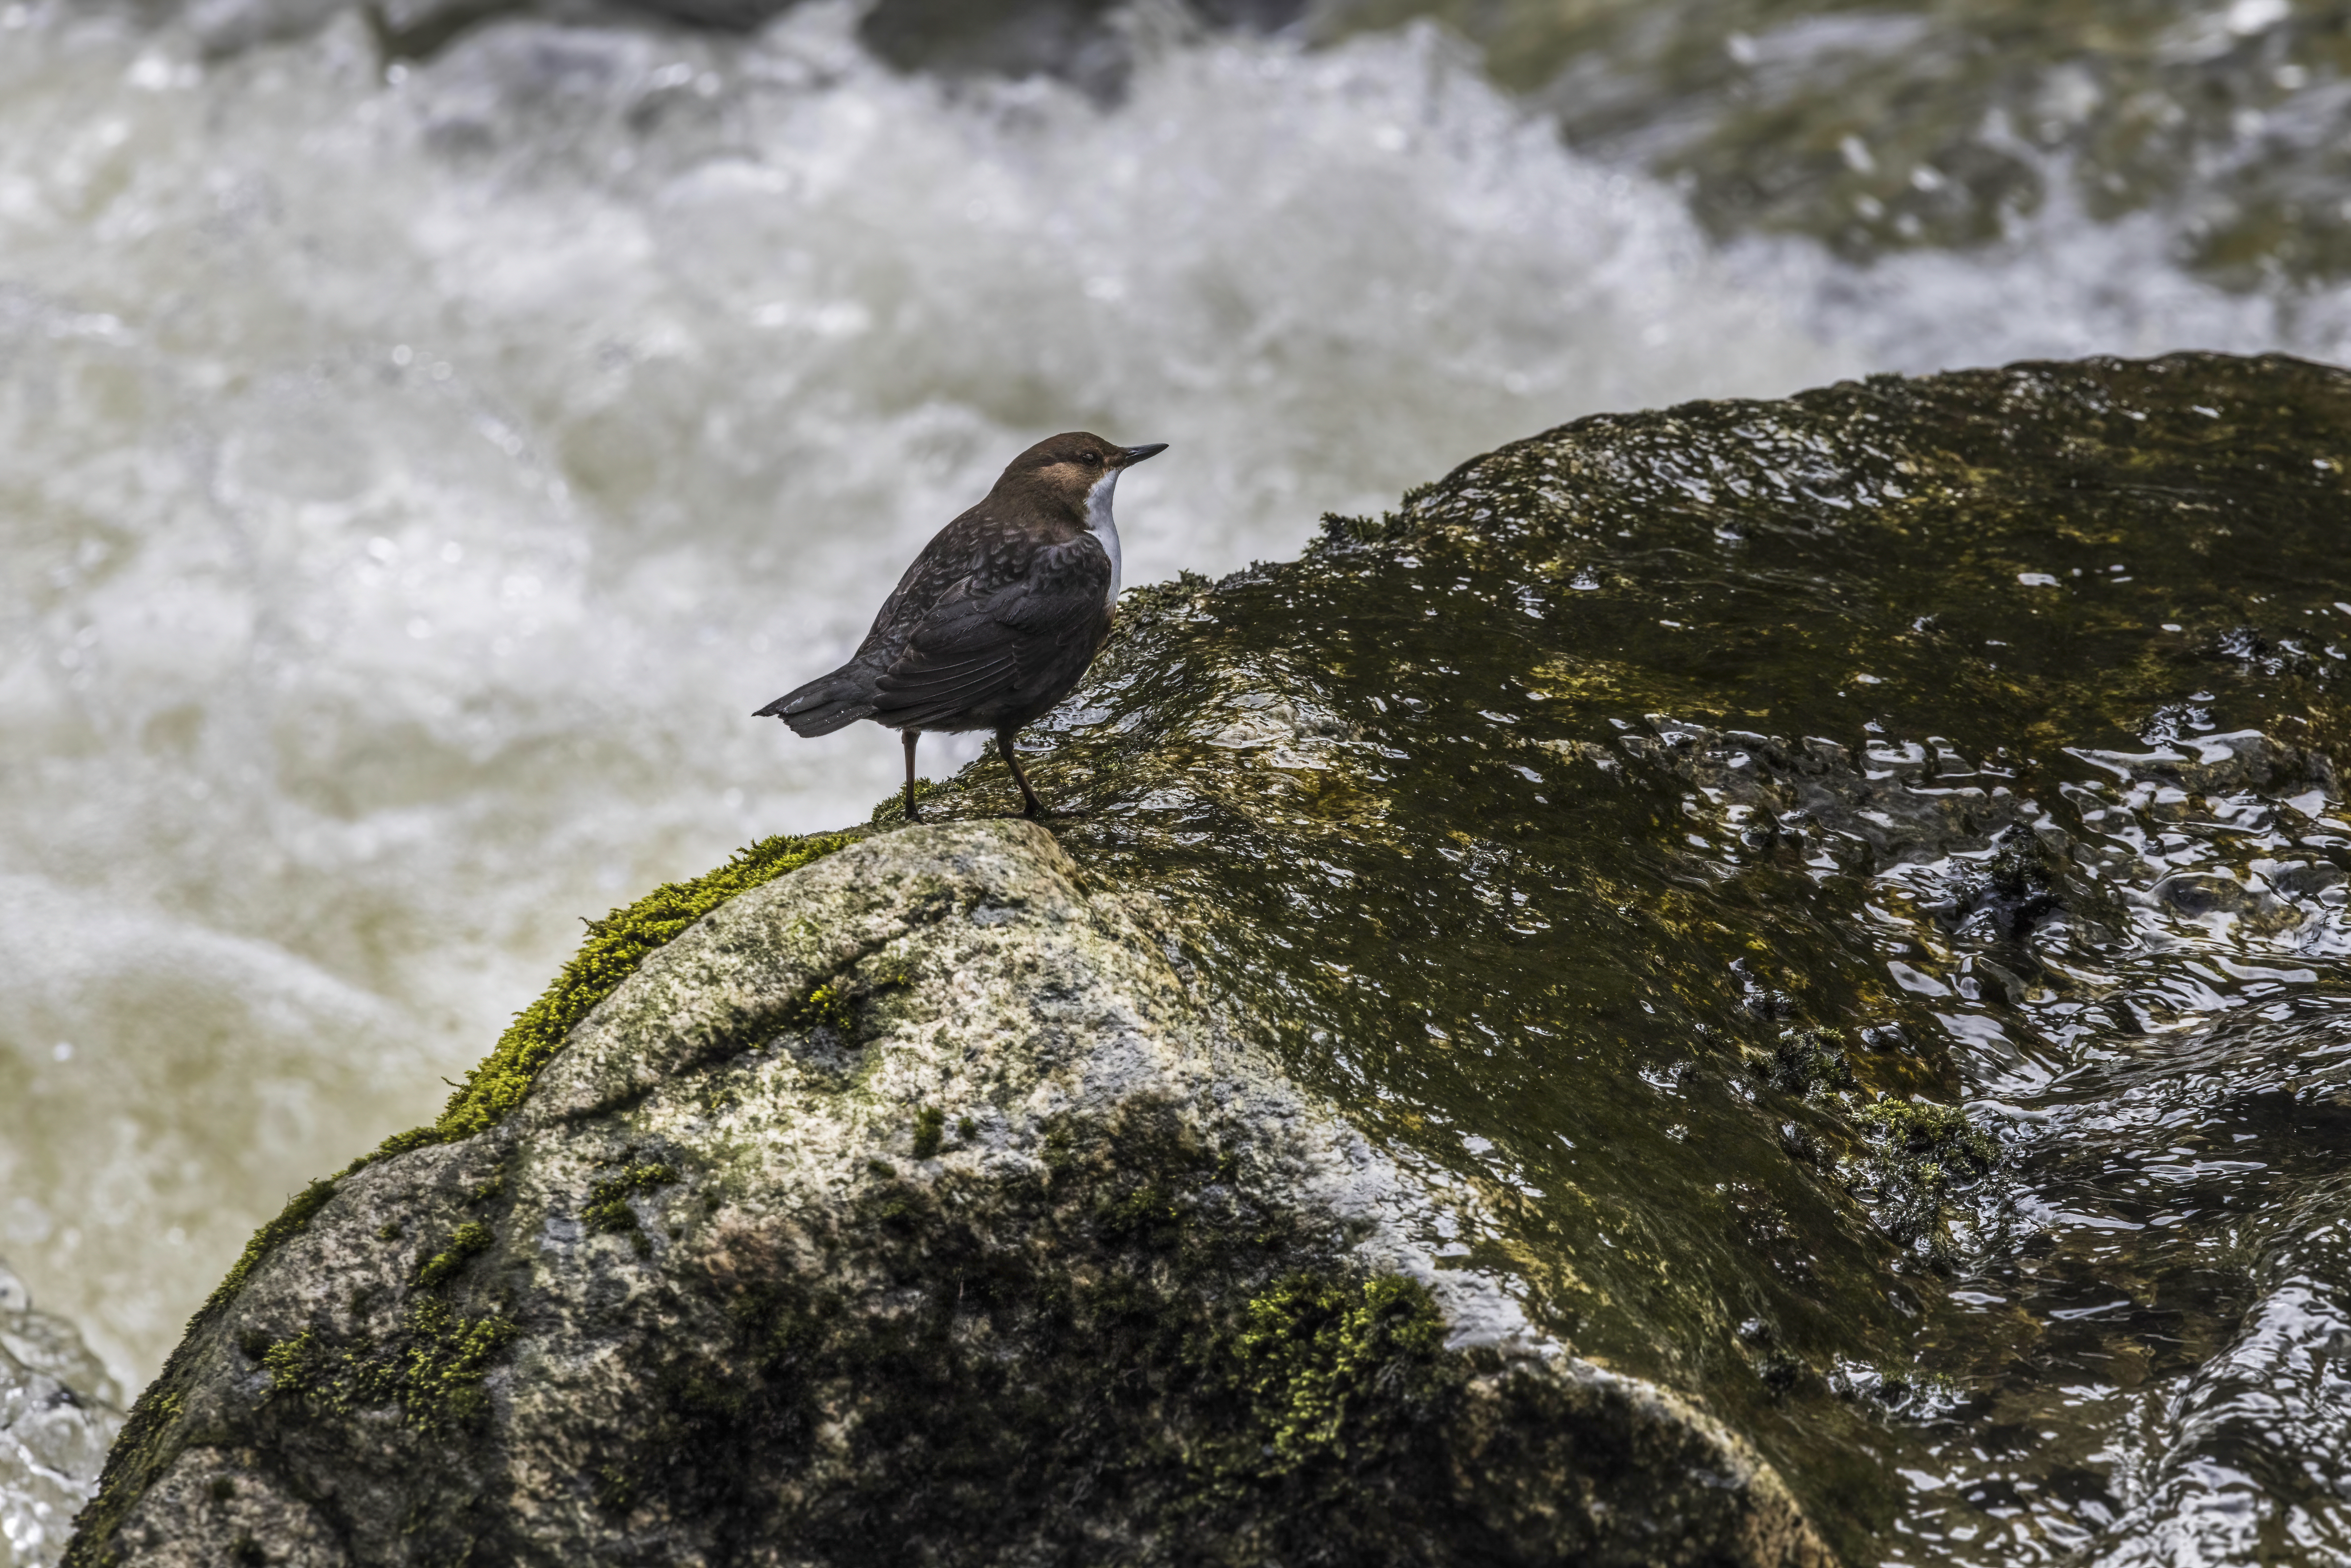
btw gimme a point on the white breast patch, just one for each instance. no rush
(1103, 527)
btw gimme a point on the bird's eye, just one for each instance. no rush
(1092, 459)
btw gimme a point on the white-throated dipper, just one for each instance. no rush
(996, 619)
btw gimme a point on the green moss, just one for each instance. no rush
(291, 1219)
(893, 806)
(1312, 1353)
(1139, 606)
(470, 1238)
(608, 1210)
(1939, 1137)
(388, 1231)
(432, 1367)
(441, 1372)
(616, 946)
(831, 1004)
(1920, 1151)
(1807, 1061)
(292, 1363)
(930, 1130)
(139, 1454)
(1339, 529)
(1147, 1216)
(611, 1490)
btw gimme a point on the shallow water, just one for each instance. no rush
(411, 479)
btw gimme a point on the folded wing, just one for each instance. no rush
(992, 654)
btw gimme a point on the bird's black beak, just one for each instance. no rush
(1135, 454)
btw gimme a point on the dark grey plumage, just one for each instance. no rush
(999, 616)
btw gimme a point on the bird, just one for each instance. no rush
(998, 617)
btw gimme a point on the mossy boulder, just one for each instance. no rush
(907, 1208)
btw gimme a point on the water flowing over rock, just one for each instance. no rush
(59, 1413)
(1812, 932)
(904, 1207)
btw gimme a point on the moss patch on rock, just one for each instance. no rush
(616, 946)
(431, 1366)
(1311, 1353)
(608, 1210)
(1919, 1155)
(470, 1238)
(291, 1218)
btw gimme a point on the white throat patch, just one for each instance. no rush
(1103, 527)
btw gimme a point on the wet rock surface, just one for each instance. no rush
(907, 1207)
(59, 1411)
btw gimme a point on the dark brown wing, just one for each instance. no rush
(1001, 645)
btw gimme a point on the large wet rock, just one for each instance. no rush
(59, 1411)
(907, 1207)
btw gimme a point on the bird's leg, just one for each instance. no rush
(911, 736)
(1004, 744)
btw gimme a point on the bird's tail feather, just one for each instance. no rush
(825, 704)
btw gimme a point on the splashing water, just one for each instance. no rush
(412, 483)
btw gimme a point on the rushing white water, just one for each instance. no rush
(408, 489)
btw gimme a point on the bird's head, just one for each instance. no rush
(1079, 468)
